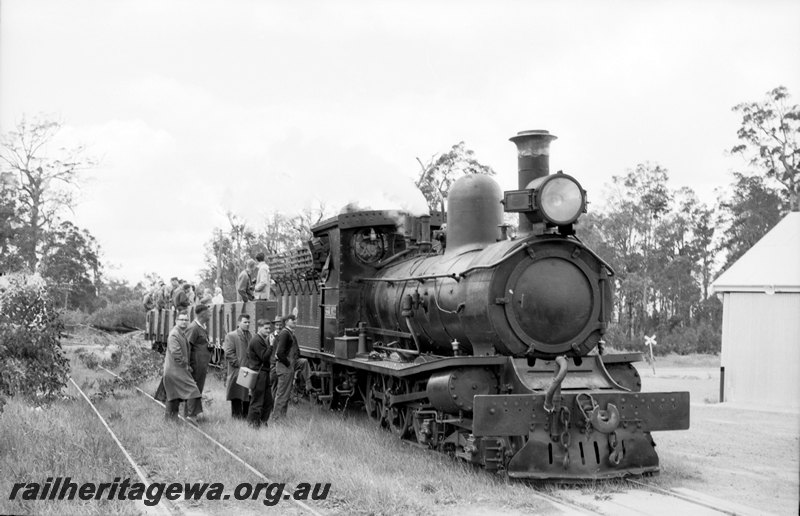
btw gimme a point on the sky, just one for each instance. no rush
(196, 108)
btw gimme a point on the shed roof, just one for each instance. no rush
(771, 265)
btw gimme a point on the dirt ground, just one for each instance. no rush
(749, 457)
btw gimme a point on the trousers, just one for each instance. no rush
(172, 407)
(285, 381)
(261, 401)
(239, 409)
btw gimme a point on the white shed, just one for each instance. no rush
(761, 321)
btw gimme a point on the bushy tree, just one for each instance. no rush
(660, 243)
(71, 265)
(32, 362)
(770, 134)
(442, 170)
(752, 209)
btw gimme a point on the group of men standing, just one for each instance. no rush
(274, 354)
(272, 351)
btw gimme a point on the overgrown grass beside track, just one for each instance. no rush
(60, 440)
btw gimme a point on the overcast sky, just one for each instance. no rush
(198, 107)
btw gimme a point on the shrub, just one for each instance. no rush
(137, 363)
(73, 318)
(32, 363)
(124, 313)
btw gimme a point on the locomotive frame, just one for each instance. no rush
(439, 346)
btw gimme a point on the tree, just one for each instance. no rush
(10, 223)
(71, 265)
(752, 210)
(45, 179)
(770, 132)
(441, 171)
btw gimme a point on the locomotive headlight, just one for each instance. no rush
(557, 199)
(561, 200)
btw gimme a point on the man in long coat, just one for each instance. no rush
(235, 347)
(199, 357)
(178, 382)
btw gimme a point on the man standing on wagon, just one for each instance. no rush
(236, 356)
(262, 288)
(199, 357)
(246, 281)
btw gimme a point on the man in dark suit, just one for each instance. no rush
(199, 357)
(235, 347)
(258, 353)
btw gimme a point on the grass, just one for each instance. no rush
(692, 360)
(60, 440)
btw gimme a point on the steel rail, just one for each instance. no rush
(669, 492)
(224, 448)
(133, 464)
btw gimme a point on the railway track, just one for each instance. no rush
(642, 499)
(717, 505)
(645, 499)
(164, 507)
(301, 505)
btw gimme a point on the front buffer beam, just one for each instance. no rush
(602, 435)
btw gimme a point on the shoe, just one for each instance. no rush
(191, 420)
(201, 417)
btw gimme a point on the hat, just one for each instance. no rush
(278, 319)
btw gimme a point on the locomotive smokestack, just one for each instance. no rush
(533, 162)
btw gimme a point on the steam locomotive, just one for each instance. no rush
(468, 341)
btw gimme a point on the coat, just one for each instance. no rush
(286, 350)
(178, 382)
(262, 287)
(244, 286)
(180, 300)
(199, 354)
(235, 347)
(258, 352)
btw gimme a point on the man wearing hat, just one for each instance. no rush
(235, 347)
